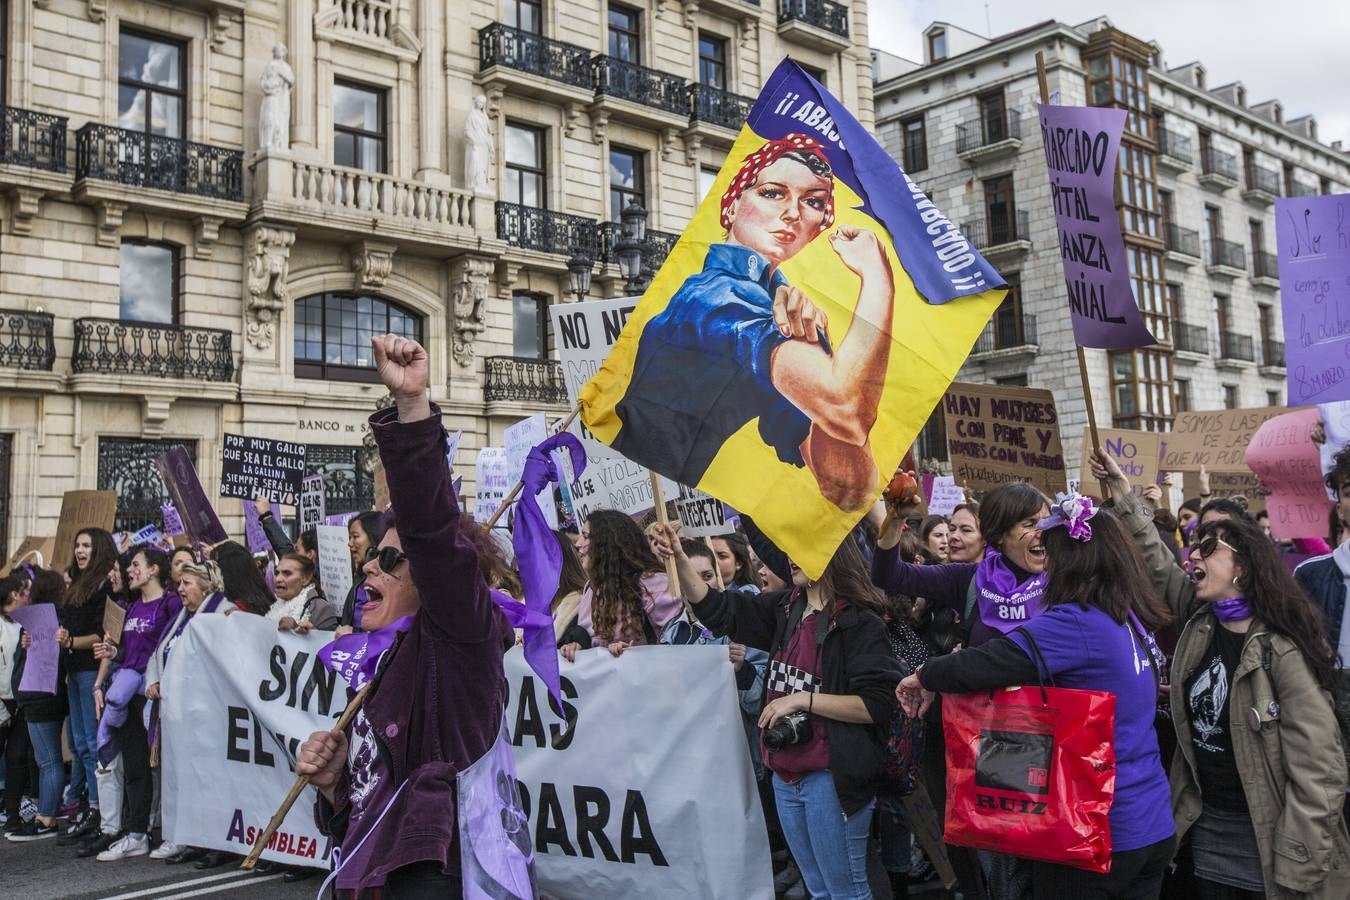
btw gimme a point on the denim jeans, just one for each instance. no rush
(46, 738)
(829, 847)
(893, 820)
(83, 731)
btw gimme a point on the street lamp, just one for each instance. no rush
(633, 224)
(579, 274)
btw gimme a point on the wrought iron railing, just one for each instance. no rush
(718, 107)
(512, 48)
(821, 13)
(1265, 264)
(26, 340)
(120, 347)
(988, 128)
(1236, 346)
(1006, 330)
(1190, 338)
(1177, 146)
(650, 87)
(1216, 162)
(33, 139)
(1181, 240)
(655, 248)
(1259, 178)
(1300, 189)
(146, 160)
(546, 231)
(1226, 253)
(1272, 353)
(523, 380)
(992, 231)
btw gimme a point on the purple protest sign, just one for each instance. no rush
(173, 523)
(1314, 257)
(180, 477)
(1081, 145)
(253, 530)
(44, 654)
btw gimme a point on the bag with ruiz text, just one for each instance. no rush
(1031, 772)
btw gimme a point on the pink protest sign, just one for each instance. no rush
(1286, 460)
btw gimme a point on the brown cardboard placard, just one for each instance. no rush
(997, 435)
(114, 618)
(46, 546)
(1227, 485)
(81, 509)
(1138, 453)
(1214, 438)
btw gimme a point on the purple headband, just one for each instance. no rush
(1073, 512)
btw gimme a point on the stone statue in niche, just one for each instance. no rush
(479, 153)
(274, 120)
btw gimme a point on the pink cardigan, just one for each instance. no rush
(661, 608)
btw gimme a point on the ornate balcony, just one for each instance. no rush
(1192, 339)
(1265, 269)
(546, 231)
(1263, 185)
(989, 136)
(650, 89)
(1236, 347)
(1225, 259)
(1006, 236)
(1183, 244)
(654, 250)
(1174, 151)
(118, 347)
(150, 161)
(33, 140)
(523, 380)
(1218, 170)
(1272, 357)
(26, 340)
(821, 23)
(535, 63)
(714, 106)
(1007, 331)
(1302, 189)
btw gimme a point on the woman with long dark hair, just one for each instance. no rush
(364, 533)
(571, 582)
(734, 562)
(245, 586)
(1094, 633)
(1259, 774)
(933, 532)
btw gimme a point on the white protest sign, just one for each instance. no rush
(311, 502)
(586, 332)
(947, 495)
(239, 699)
(519, 439)
(493, 482)
(701, 515)
(335, 562)
(615, 483)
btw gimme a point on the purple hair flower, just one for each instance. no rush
(1073, 512)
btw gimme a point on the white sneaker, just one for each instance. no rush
(165, 850)
(796, 892)
(129, 846)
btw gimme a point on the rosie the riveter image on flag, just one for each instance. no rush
(801, 331)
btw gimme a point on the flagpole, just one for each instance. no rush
(515, 491)
(1082, 357)
(659, 498)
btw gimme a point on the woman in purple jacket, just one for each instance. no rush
(388, 785)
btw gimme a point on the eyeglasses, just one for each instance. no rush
(389, 558)
(1210, 544)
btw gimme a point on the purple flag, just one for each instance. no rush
(199, 518)
(354, 657)
(253, 530)
(1081, 145)
(44, 654)
(1314, 261)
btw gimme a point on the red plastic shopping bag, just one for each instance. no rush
(1031, 772)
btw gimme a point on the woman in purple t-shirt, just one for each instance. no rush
(1093, 634)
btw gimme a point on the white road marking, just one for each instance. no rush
(248, 879)
(179, 884)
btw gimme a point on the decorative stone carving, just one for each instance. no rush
(274, 119)
(575, 111)
(97, 10)
(109, 214)
(372, 261)
(669, 136)
(690, 13)
(599, 122)
(268, 267)
(24, 205)
(693, 142)
(468, 296)
(479, 153)
(220, 27)
(208, 232)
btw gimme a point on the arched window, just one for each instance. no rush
(333, 331)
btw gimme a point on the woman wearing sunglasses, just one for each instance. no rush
(1259, 774)
(388, 785)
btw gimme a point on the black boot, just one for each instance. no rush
(899, 885)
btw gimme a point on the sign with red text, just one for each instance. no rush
(1286, 460)
(997, 435)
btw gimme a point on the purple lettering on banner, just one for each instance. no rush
(173, 523)
(199, 518)
(253, 530)
(1081, 145)
(339, 519)
(1313, 237)
(44, 654)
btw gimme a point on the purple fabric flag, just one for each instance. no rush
(1314, 261)
(1081, 145)
(253, 530)
(355, 657)
(199, 517)
(173, 523)
(539, 560)
(44, 654)
(339, 519)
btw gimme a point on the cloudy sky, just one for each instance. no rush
(1298, 57)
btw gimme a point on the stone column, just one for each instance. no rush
(300, 42)
(430, 101)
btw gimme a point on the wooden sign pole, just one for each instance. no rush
(515, 491)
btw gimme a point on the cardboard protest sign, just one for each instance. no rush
(997, 435)
(586, 332)
(1284, 457)
(493, 482)
(30, 550)
(257, 466)
(1243, 486)
(381, 488)
(1138, 453)
(311, 502)
(1081, 145)
(944, 495)
(80, 509)
(1214, 438)
(614, 483)
(1314, 260)
(520, 439)
(701, 515)
(199, 517)
(706, 388)
(114, 619)
(335, 562)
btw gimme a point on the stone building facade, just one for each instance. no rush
(1199, 171)
(164, 280)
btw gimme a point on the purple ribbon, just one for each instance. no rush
(1232, 609)
(355, 656)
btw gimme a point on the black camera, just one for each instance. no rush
(792, 729)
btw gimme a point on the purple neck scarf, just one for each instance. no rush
(355, 656)
(1232, 609)
(1005, 604)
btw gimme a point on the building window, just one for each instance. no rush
(1140, 211)
(1231, 399)
(525, 180)
(149, 283)
(625, 34)
(915, 137)
(1183, 395)
(627, 180)
(706, 179)
(931, 444)
(4, 94)
(529, 325)
(1273, 398)
(358, 127)
(1266, 324)
(1009, 324)
(1142, 389)
(817, 74)
(937, 46)
(1012, 380)
(1213, 233)
(1289, 179)
(993, 117)
(1166, 207)
(151, 89)
(527, 15)
(1323, 182)
(6, 454)
(127, 466)
(1122, 82)
(712, 61)
(333, 332)
(999, 210)
(1146, 272)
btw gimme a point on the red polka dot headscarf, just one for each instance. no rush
(759, 160)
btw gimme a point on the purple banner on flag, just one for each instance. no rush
(1313, 239)
(1081, 145)
(199, 518)
(253, 530)
(44, 654)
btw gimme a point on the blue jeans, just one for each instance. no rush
(83, 732)
(829, 847)
(46, 738)
(893, 820)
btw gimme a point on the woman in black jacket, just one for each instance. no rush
(829, 692)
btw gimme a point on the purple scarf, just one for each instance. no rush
(1232, 609)
(1005, 604)
(356, 656)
